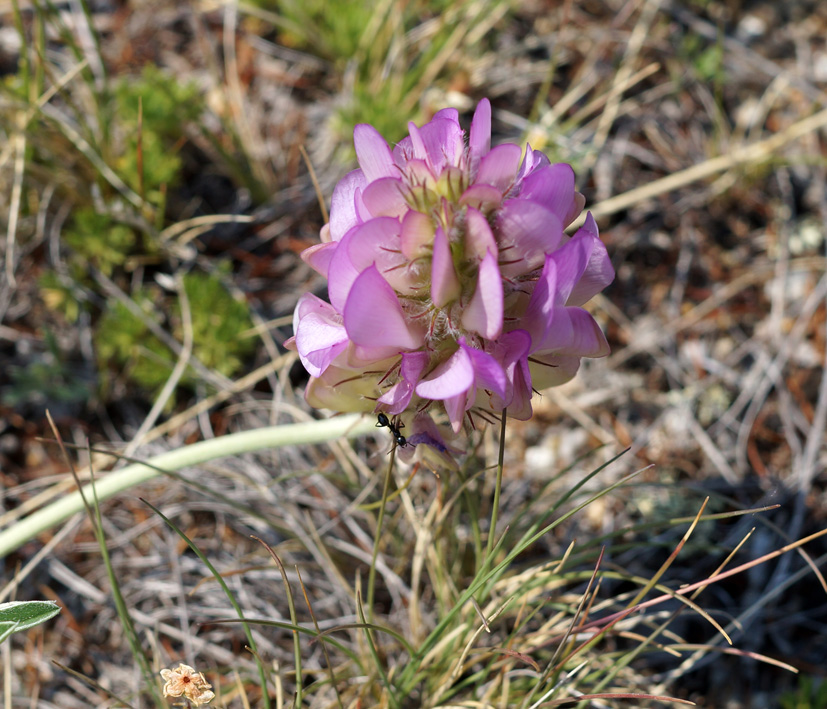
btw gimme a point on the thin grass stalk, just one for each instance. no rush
(378, 536)
(497, 489)
(323, 642)
(408, 678)
(227, 592)
(291, 605)
(94, 514)
(375, 654)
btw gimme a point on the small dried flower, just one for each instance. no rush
(453, 286)
(186, 682)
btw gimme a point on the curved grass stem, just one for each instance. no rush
(28, 528)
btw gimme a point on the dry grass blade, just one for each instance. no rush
(670, 559)
(738, 157)
(620, 695)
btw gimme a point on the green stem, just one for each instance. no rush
(497, 487)
(351, 426)
(377, 536)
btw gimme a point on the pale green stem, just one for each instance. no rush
(28, 528)
(496, 504)
(377, 538)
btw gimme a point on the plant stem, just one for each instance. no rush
(376, 538)
(350, 425)
(497, 487)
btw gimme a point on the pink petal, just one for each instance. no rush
(318, 256)
(575, 209)
(320, 335)
(479, 141)
(385, 197)
(483, 197)
(550, 371)
(420, 152)
(373, 153)
(599, 272)
(373, 316)
(533, 160)
(488, 373)
(455, 407)
(571, 260)
(559, 333)
(541, 305)
(343, 215)
(341, 273)
(551, 186)
(586, 339)
(451, 378)
(417, 235)
(499, 167)
(530, 231)
(441, 140)
(484, 314)
(427, 445)
(512, 351)
(445, 285)
(396, 399)
(378, 242)
(479, 238)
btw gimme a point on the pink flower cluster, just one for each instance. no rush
(451, 281)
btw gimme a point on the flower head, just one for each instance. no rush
(186, 682)
(452, 284)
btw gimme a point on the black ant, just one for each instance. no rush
(383, 421)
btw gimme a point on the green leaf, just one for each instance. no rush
(22, 615)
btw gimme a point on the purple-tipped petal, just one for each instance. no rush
(373, 316)
(599, 271)
(571, 260)
(442, 140)
(541, 305)
(385, 197)
(451, 378)
(374, 242)
(341, 272)
(479, 140)
(318, 256)
(586, 339)
(378, 242)
(396, 399)
(455, 407)
(479, 240)
(427, 445)
(373, 153)
(575, 209)
(488, 373)
(533, 160)
(484, 314)
(531, 231)
(343, 204)
(320, 335)
(445, 285)
(512, 350)
(499, 167)
(553, 187)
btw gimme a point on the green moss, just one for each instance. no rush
(126, 346)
